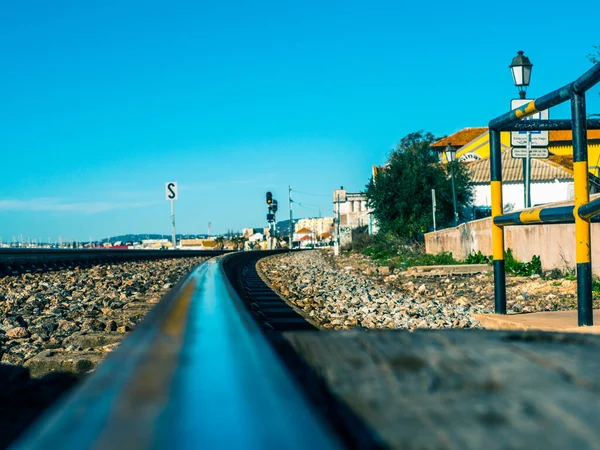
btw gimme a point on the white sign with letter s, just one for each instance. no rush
(171, 190)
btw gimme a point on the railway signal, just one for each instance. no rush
(271, 210)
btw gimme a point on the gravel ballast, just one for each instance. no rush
(339, 298)
(80, 311)
(57, 326)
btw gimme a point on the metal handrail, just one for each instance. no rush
(581, 213)
(554, 98)
(196, 373)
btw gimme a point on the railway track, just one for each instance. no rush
(200, 371)
(15, 261)
(221, 363)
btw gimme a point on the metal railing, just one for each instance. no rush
(196, 373)
(581, 214)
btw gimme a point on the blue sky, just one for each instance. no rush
(101, 103)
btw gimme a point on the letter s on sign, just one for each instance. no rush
(171, 190)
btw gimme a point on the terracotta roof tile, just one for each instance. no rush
(512, 170)
(562, 160)
(460, 138)
(567, 136)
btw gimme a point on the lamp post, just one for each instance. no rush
(451, 157)
(521, 71)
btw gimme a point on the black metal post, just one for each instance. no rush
(585, 314)
(454, 194)
(497, 231)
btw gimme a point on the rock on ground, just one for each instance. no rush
(57, 310)
(337, 297)
(56, 326)
(523, 293)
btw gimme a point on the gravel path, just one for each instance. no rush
(341, 299)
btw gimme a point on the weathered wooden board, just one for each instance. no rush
(462, 389)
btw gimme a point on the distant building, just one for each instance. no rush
(352, 207)
(318, 225)
(197, 244)
(247, 232)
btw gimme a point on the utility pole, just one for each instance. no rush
(336, 250)
(173, 222)
(433, 206)
(291, 219)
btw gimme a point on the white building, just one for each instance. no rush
(318, 225)
(550, 182)
(352, 206)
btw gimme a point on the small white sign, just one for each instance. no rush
(171, 190)
(534, 152)
(538, 138)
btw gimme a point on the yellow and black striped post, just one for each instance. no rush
(497, 231)
(583, 253)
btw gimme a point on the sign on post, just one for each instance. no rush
(538, 138)
(171, 190)
(521, 152)
(171, 194)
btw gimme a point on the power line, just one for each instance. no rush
(306, 207)
(316, 195)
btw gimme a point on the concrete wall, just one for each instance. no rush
(555, 244)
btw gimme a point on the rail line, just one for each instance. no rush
(211, 366)
(198, 372)
(15, 261)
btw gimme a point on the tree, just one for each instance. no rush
(400, 195)
(219, 242)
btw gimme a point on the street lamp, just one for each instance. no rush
(521, 72)
(451, 157)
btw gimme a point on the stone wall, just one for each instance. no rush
(555, 244)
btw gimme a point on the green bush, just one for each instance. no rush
(523, 269)
(376, 253)
(596, 288)
(478, 258)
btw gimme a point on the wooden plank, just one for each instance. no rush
(464, 388)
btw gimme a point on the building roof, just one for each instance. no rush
(197, 242)
(567, 136)
(512, 170)
(303, 231)
(460, 138)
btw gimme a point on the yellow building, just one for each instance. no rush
(473, 144)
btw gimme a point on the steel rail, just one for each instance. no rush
(11, 259)
(196, 373)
